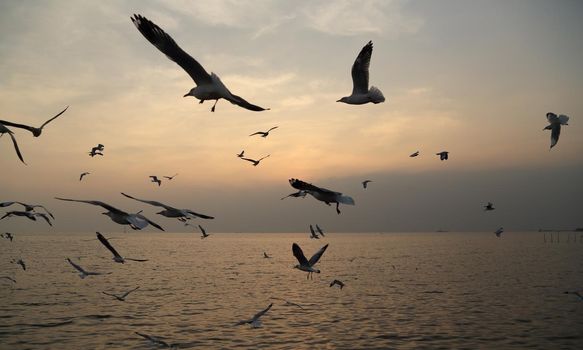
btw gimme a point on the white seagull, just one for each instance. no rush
(555, 126)
(36, 132)
(208, 87)
(361, 94)
(305, 264)
(5, 130)
(135, 221)
(254, 321)
(82, 272)
(313, 233)
(171, 212)
(121, 297)
(264, 133)
(365, 183)
(499, 231)
(322, 194)
(116, 257)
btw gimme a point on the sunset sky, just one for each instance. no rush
(475, 78)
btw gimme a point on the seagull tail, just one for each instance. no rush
(376, 95)
(346, 200)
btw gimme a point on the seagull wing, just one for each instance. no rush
(241, 102)
(249, 159)
(555, 133)
(257, 133)
(275, 127)
(44, 216)
(77, 267)
(16, 147)
(53, 118)
(128, 292)
(552, 117)
(202, 216)
(314, 259)
(312, 230)
(303, 186)
(107, 245)
(260, 159)
(142, 217)
(6, 204)
(154, 203)
(261, 313)
(98, 203)
(360, 70)
(319, 230)
(45, 209)
(563, 119)
(299, 254)
(157, 37)
(202, 230)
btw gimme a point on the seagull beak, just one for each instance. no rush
(188, 94)
(338, 101)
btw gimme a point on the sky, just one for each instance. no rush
(475, 78)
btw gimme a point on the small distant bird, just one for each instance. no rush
(7, 235)
(255, 162)
(320, 231)
(82, 272)
(361, 94)
(121, 297)
(365, 183)
(116, 257)
(36, 132)
(240, 155)
(27, 207)
(415, 154)
(313, 233)
(171, 177)
(209, 87)
(8, 278)
(499, 231)
(5, 130)
(296, 194)
(83, 175)
(156, 340)
(265, 256)
(97, 150)
(203, 231)
(305, 264)
(337, 282)
(444, 155)
(20, 262)
(289, 303)
(171, 212)
(27, 214)
(489, 207)
(576, 293)
(254, 321)
(264, 133)
(322, 194)
(155, 179)
(555, 126)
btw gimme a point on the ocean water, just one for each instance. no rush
(403, 290)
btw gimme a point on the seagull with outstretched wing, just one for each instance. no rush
(121, 297)
(116, 256)
(36, 132)
(254, 321)
(264, 133)
(171, 212)
(5, 130)
(361, 94)
(305, 264)
(322, 194)
(82, 272)
(253, 161)
(555, 123)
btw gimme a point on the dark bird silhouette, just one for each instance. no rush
(116, 256)
(7, 235)
(305, 264)
(83, 175)
(444, 155)
(361, 94)
(265, 256)
(264, 133)
(555, 126)
(121, 297)
(27, 214)
(415, 154)
(208, 86)
(203, 232)
(27, 207)
(36, 132)
(20, 262)
(171, 177)
(365, 183)
(255, 162)
(171, 212)
(155, 179)
(322, 194)
(489, 207)
(313, 233)
(240, 155)
(97, 150)
(320, 231)
(338, 283)
(5, 130)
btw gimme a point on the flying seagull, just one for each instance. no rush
(36, 132)
(97, 150)
(28, 214)
(27, 207)
(555, 126)
(254, 321)
(320, 231)
(415, 154)
(264, 133)
(305, 264)
(240, 155)
(155, 179)
(156, 340)
(337, 282)
(365, 183)
(82, 272)
(499, 232)
(20, 262)
(313, 233)
(8, 278)
(7, 235)
(5, 130)
(203, 231)
(265, 256)
(135, 221)
(171, 177)
(116, 257)
(296, 194)
(83, 175)
(361, 94)
(171, 212)
(444, 155)
(322, 194)
(489, 207)
(208, 87)
(121, 297)
(255, 162)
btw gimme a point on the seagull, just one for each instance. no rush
(155, 179)
(82, 272)
(82, 175)
(94, 153)
(320, 231)
(361, 94)
(36, 132)
(240, 155)
(265, 256)
(203, 231)
(576, 293)
(444, 155)
(339, 283)
(415, 154)
(555, 126)
(255, 162)
(499, 232)
(156, 340)
(254, 321)
(20, 262)
(305, 264)
(7, 235)
(171, 177)
(289, 303)
(208, 87)
(322, 194)
(28, 214)
(135, 221)
(489, 207)
(97, 150)
(5, 130)
(296, 194)
(121, 297)
(27, 207)
(8, 278)
(116, 257)
(172, 212)
(313, 233)
(264, 133)
(365, 183)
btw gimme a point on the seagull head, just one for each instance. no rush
(191, 92)
(343, 99)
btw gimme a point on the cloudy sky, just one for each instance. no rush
(475, 78)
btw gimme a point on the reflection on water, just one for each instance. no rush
(431, 290)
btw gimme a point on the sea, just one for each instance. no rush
(433, 290)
